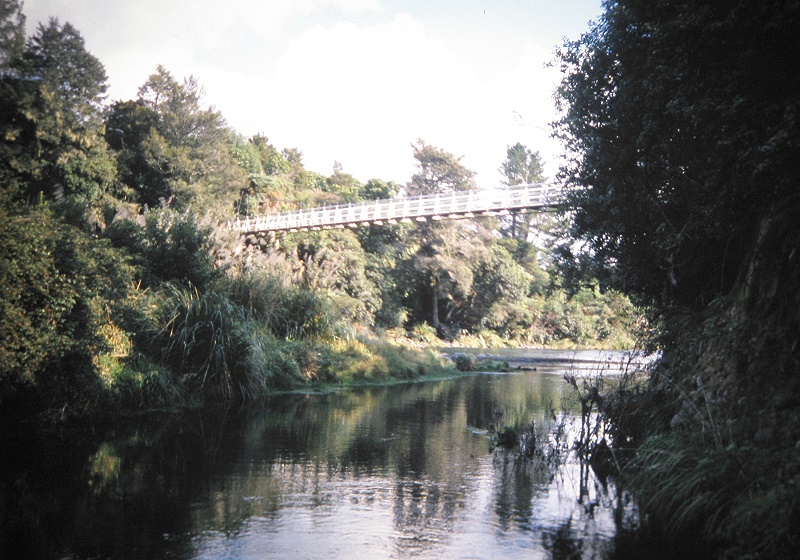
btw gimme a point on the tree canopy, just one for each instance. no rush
(53, 92)
(438, 171)
(171, 148)
(680, 121)
(522, 166)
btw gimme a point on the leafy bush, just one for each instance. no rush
(372, 359)
(139, 383)
(352, 360)
(170, 247)
(57, 309)
(465, 362)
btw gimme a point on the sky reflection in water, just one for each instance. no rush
(403, 472)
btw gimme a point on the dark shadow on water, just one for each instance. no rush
(416, 457)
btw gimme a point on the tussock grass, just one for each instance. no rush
(700, 473)
(688, 485)
(255, 334)
(737, 498)
(288, 311)
(201, 338)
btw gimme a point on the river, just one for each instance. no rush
(403, 471)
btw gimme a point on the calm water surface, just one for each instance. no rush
(384, 472)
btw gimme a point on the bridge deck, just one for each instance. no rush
(437, 206)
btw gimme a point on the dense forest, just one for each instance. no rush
(681, 124)
(121, 286)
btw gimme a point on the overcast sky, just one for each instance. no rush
(353, 81)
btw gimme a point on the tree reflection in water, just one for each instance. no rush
(400, 472)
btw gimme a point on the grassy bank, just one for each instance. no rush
(708, 439)
(278, 366)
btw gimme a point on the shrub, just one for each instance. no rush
(140, 383)
(465, 362)
(171, 247)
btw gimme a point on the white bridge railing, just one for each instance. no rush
(460, 204)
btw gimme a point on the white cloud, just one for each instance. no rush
(342, 80)
(366, 92)
(362, 94)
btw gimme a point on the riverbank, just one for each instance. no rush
(711, 455)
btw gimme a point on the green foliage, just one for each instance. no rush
(438, 273)
(171, 149)
(334, 262)
(247, 154)
(274, 162)
(370, 360)
(724, 494)
(498, 282)
(465, 362)
(410, 363)
(255, 334)
(12, 34)
(438, 171)
(169, 247)
(528, 256)
(273, 364)
(131, 127)
(375, 189)
(36, 301)
(522, 166)
(52, 131)
(57, 306)
(346, 187)
(423, 332)
(352, 360)
(199, 337)
(288, 311)
(268, 172)
(139, 383)
(675, 206)
(682, 131)
(588, 319)
(307, 314)
(57, 55)
(381, 272)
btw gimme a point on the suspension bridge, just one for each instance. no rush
(451, 205)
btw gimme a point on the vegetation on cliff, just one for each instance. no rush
(681, 121)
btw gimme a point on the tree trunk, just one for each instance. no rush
(442, 330)
(435, 308)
